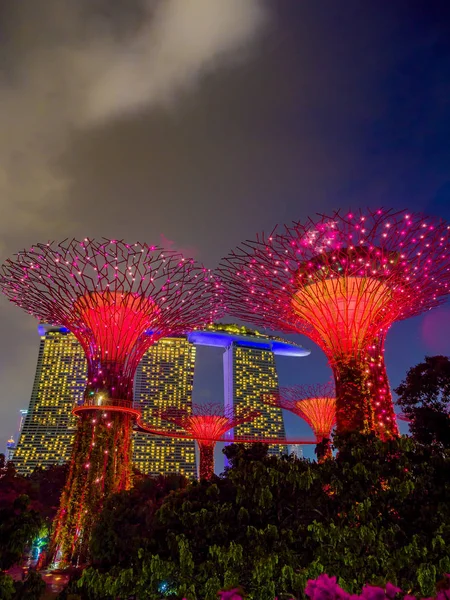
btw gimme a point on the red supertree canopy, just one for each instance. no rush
(116, 298)
(206, 424)
(343, 281)
(316, 404)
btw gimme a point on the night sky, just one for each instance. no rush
(196, 123)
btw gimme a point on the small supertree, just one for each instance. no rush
(315, 404)
(117, 299)
(206, 424)
(343, 281)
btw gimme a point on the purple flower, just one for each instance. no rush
(230, 595)
(325, 588)
(371, 592)
(392, 590)
(443, 588)
(310, 588)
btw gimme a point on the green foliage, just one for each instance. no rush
(18, 526)
(27, 507)
(392, 513)
(377, 512)
(31, 589)
(126, 522)
(46, 486)
(7, 589)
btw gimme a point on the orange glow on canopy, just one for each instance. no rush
(207, 424)
(115, 321)
(207, 427)
(343, 280)
(315, 404)
(319, 413)
(345, 312)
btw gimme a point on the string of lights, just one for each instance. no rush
(207, 424)
(343, 280)
(315, 404)
(117, 299)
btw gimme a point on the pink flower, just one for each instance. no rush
(325, 588)
(444, 588)
(371, 592)
(392, 590)
(230, 595)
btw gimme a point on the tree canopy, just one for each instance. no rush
(27, 507)
(126, 522)
(424, 396)
(377, 512)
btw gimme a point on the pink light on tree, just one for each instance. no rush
(206, 424)
(117, 299)
(343, 281)
(315, 404)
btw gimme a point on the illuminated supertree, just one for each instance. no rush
(117, 299)
(206, 424)
(315, 404)
(343, 281)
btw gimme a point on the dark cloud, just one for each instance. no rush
(280, 110)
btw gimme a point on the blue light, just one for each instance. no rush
(222, 339)
(44, 328)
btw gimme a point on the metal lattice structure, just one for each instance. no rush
(117, 299)
(315, 404)
(206, 424)
(343, 280)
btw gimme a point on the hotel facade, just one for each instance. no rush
(164, 378)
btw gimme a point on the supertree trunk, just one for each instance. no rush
(99, 467)
(117, 299)
(354, 411)
(343, 280)
(206, 449)
(323, 448)
(385, 421)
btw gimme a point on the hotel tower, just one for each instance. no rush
(48, 428)
(249, 371)
(164, 378)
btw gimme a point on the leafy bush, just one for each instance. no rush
(378, 512)
(7, 589)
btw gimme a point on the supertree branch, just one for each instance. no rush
(206, 424)
(343, 281)
(117, 299)
(315, 404)
(164, 430)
